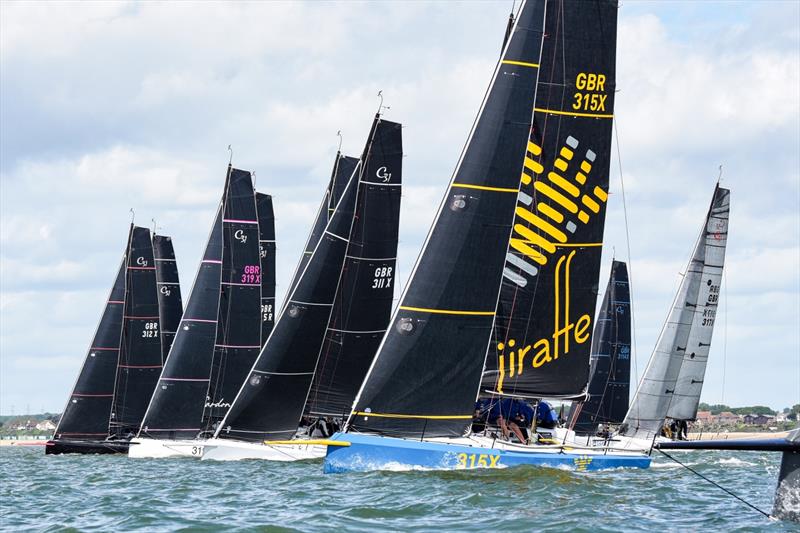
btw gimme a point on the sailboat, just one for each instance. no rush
(266, 250)
(118, 375)
(525, 208)
(673, 379)
(219, 335)
(330, 328)
(609, 386)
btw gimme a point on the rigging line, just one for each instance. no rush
(701, 476)
(634, 350)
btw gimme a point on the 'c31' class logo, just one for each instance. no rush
(240, 236)
(141, 261)
(383, 174)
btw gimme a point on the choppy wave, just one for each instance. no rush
(101, 493)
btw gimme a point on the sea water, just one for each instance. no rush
(104, 493)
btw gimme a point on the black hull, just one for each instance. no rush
(57, 447)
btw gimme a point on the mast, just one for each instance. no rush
(655, 392)
(714, 239)
(271, 400)
(609, 386)
(140, 355)
(170, 304)
(266, 241)
(541, 347)
(86, 414)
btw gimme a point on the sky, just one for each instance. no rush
(112, 106)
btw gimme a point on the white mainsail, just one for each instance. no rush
(665, 380)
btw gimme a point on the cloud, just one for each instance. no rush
(108, 106)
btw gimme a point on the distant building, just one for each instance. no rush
(781, 417)
(726, 418)
(704, 418)
(45, 425)
(758, 420)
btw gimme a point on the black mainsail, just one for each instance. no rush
(140, 361)
(266, 241)
(271, 401)
(88, 408)
(609, 386)
(343, 168)
(170, 304)
(363, 302)
(425, 378)
(219, 334)
(549, 291)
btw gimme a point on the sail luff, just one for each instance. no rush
(424, 379)
(88, 407)
(689, 383)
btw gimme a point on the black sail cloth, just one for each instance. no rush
(609, 386)
(219, 334)
(425, 377)
(547, 302)
(170, 304)
(88, 408)
(266, 241)
(271, 401)
(363, 302)
(140, 349)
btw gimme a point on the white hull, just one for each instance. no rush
(619, 443)
(232, 450)
(159, 449)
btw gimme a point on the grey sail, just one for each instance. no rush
(713, 241)
(655, 393)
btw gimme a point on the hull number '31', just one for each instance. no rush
(475, 460)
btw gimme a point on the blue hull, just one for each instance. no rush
(369, 452)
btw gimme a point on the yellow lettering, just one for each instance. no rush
(462, 460)
(601, 82)
(581, 329)
(502, 368)
(482, 460)
(543, 355)
(494, 461)
(580, 81)
(591, 79)
(521, 357)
